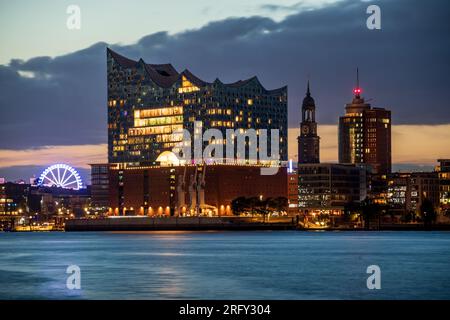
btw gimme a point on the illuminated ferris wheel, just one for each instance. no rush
(60, 175)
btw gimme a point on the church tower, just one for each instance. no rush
(308, 141)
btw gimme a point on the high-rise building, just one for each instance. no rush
(308, 141)
(365, 134)
(147, 103)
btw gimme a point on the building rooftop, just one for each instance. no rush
(165, 75)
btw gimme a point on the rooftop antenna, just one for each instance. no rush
(357, 91)
(357, 77)
(308, 93)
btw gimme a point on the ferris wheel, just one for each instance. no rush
(60, 175)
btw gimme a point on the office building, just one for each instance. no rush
(444, 186)
(327, 188)
(365, 134)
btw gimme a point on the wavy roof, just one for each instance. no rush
(165, 75)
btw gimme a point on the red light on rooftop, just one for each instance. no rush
(357, 91)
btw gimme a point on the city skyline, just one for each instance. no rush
(224, 159)
(72, 85)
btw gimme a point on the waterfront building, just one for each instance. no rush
(26, 199)
(292, 178)
(326, 188)
(444, 185)
(147, 103)
(365, 134)
(8, 209)
(100, 186)
(398, 192)
(13, 199)
(404, 192)
(308, 141)
(423, 185)
(189, 190)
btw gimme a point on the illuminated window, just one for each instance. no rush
(158, 121)
(168, 129)
(187, 86)
(150, 113)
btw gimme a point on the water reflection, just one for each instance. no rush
(225, 265)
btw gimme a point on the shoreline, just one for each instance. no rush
(222, 224)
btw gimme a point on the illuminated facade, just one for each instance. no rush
(328, 187)
(404, 192)
(7, 205)
(189, 190)
(147, 103)
(444, 185)
(292, 178)
(365, 135)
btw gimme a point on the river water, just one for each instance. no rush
(225, 265)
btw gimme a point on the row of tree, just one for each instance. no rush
(257, 205)
(370, 211)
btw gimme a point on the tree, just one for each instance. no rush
(239, 205)
(280, 204)
(370, 210)
(351, 208)
(427, 212)
(257, 205)
(446, 213)
(253, 204)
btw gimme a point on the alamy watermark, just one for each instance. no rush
(242, 146)
(374, 280)
(73, 281)
(373, 22)
(73, 21)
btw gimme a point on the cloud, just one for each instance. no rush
(62, 100)
(303, 5)
(79, 156)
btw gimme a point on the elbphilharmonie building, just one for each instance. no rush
(148, 103)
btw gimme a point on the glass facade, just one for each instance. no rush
(148, 102)
(326, 186)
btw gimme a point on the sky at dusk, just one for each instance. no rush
(53, 80)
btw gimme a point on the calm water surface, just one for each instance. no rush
(225, 265)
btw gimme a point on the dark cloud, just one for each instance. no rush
(403, 67)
